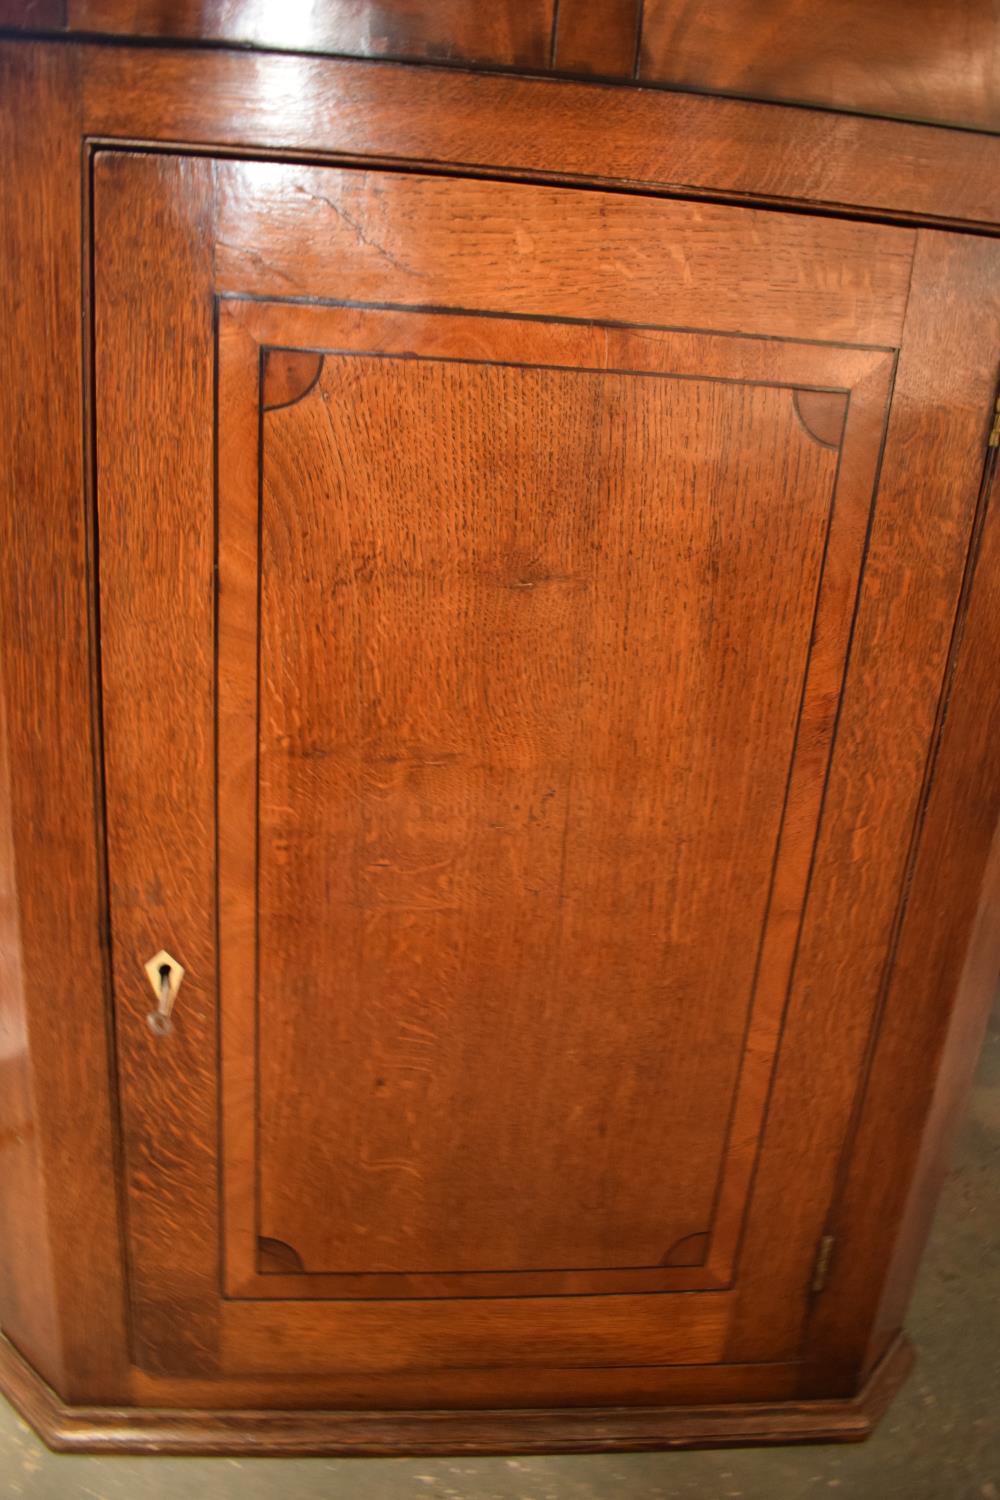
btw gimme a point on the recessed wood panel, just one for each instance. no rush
(503, 778)
(497, 656)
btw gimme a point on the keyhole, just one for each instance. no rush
(164, 974)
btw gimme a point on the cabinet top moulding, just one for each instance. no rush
(448, 120)
(841, 54)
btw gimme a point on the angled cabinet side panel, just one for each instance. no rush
(941, 968)
(63, 1301)
(27, 1300)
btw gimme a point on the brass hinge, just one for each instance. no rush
(821, 1269)
(993, 440)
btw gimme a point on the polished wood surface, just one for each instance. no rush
(645, 139)
(61, 1296)
(514, 33)
(452, 822)
(601, 38)
(504, 248)
(940, 65)
(28, 1292)
(595, 1429)
(393, 1335)
(415, 787)
(158, 717)
(515, 1386)
(894, 1172)
(938, 62)
(880, 1053)
(28, 1306)
(917, 553)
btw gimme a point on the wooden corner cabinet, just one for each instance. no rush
(499, 756)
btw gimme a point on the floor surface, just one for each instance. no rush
(940, 1440)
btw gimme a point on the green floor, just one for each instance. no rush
(940, 1440)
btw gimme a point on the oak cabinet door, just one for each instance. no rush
(478, 566)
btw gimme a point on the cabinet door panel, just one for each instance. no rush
(519, 773)
(530, 633)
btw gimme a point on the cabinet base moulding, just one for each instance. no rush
(113, 1429)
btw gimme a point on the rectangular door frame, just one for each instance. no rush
(246, 329)
(746, 1324)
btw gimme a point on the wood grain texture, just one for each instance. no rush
(941, 65)
(823, 414)
(287, 375)
(323, 779)
(685, 353)
(599, 39)
(844, 56)
(498, 903)
(458, 1334)
(28, 1307)
(511, 33)
(515, 1386)
(260, 1336)
(956, 1062)
(945, 965)
(95, 1429)
(913, 580)
(372, 237)
(45, 15)
(63, 1301)
(849, 1018)
(155, 487)
(643, 139)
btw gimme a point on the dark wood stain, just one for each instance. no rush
(822, 414)
(277, 1257)
(288, 376)
(688, 1251)
(843, 54)
(511, 33)
(599, 39)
